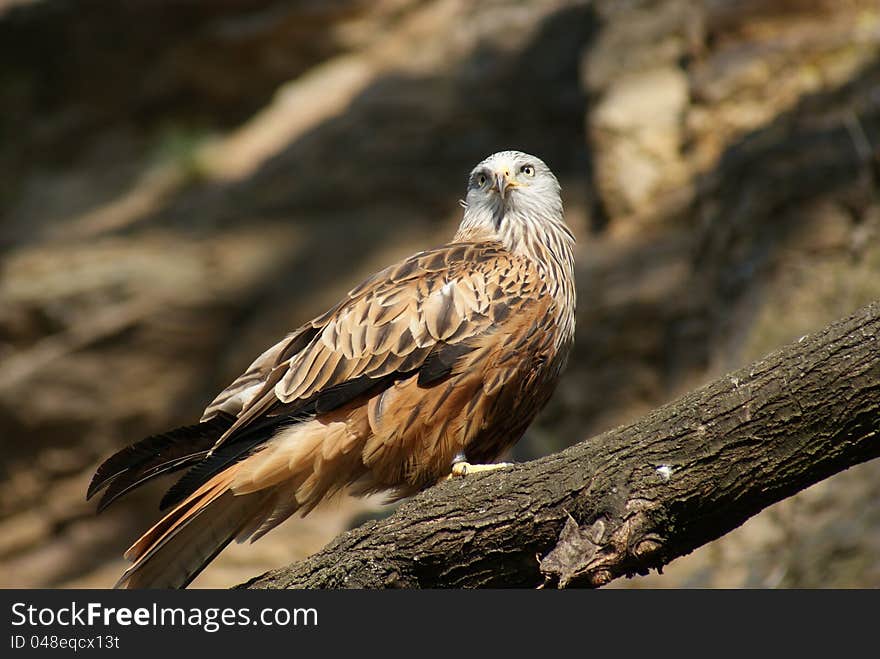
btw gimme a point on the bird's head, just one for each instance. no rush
(512, 195)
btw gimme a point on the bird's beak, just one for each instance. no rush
(504, 182)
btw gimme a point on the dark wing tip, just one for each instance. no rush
(111, 468)
(118, 487)
(155, 455)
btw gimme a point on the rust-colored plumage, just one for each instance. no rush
(445, 356)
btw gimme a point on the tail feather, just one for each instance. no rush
(151, 457)
(152, 539)
(174, 551)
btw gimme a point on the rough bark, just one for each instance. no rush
(638, 496)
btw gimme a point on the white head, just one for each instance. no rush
(514, 198)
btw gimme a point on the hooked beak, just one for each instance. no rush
(503, 182)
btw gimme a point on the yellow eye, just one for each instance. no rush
(528, 170)
(481, 180)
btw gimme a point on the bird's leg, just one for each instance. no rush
(461, 467)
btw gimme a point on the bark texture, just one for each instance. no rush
(638, 496)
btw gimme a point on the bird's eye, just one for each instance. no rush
(481, 180)
(528, 170)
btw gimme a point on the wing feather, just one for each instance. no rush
(391, 324)
(249, 386)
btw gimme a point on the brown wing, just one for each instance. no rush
(419, 314)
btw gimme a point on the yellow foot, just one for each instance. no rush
(461, 469)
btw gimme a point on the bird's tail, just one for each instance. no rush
(241, 490)
(205, 515)
(178, 547)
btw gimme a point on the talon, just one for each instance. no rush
(462, 469)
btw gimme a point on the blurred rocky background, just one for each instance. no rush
(183, 182)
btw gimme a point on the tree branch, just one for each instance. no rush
(638, 496)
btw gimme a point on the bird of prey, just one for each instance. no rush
(437, 362)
